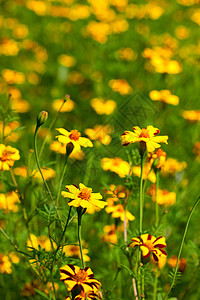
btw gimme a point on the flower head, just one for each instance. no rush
(75, 277)
(116, 165)
(150, 244)
(8, 156)
(145, 136)
(83, 196)
(100, 133)
(163, 196)
(5, 264)
(74, 136)
(164, 96)
(118, 211)
(74, 251)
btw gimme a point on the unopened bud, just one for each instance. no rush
(69, 149)
(42, 117)
(67, 97)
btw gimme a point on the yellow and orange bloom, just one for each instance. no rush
(74, 136)
(158, 158)
(8, 156)
(118, 211)
(75, 277)
(148, 173)
(182, 264)
(48, 173)
(74, 251)
(163, 196)
(83, 197)
(90, 296)
(191, 115)
(5, 264)
(120, 86)
(164, 96)
(9, 134)
(100, 133)
(145, 136)
(9, 201)
(172, 166)
(110, 235)
(116, 165)
(150, 245)
(67, 106)
(116, 193)
(103, 107)
(42, 241)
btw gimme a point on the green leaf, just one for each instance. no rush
(41, 293)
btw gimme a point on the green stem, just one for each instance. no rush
(79, 238)
(60, 183)
(156, 200)
(155, 284)
(181, 247)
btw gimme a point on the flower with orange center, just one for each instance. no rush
(74, 251)
(75, 277)
(83, 196)
(116, 165)
(150, 244)
(74, 136)
(145, 136)
(118, 211)
(163, 196)
(8, 156)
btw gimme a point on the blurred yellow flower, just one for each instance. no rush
(110, 235)
(8, 156)
(182, 264)
(66, 60)
(20, 105)
(127, 54)
(9, 133)
(163, 196)
(182, 32)
(68, 105)
(164, 96)
(9, 47)
(12, 76)
(42, 241)
(147, 172)
(82, 196)
(103, 106)
(5, 264)
(99, 31)
(172, 166)
(61, 148)
(48, 173)
(14, 258)
(9, 201)
(73, 136)
(121, 86)
(191, 115)
(116, 165)
(118, 211)
(157, 159)
(100, 133)
(74, 251)
(145, 136)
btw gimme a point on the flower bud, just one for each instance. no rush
(67, 97)
(42, 117)
(69, 149)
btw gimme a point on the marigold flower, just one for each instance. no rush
(48, 173)
(103, 107)
(158, 158)
(83, 197)
(147, 172)
(172, 166)
(182, 263)
(8, 156)
(116, 165)
(74, 136)
(149, 244)
(75, 277)
(116, 193)
(163, 196)
(121, 86)
(5, 264)
(90, 296)
(110, 234)
(145, 136)
(42, 241)
(9, 201)
(191, 115)
(9, 134)
(118, 211)
(161, 262)
(100, 133)
(164, 96)
(74, 251)
(68, 105)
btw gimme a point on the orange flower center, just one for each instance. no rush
(5, 155)
(116, 161)
(74, 135)
(85, 194)
(149, 245)
(144, 133)
(80, 276)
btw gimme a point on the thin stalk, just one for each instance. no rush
(181, 247)
(155, 284)
(156, 200)
(60, 183)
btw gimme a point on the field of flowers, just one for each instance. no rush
(100, 149)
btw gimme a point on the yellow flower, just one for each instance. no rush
(164, 96)
(9, 201)
(116, 165)
(103, 107)
(145, 136)
(100, 133)
(83, 197)
(157, 159)
(150, 244)
(172, 166)
(147, 172)
(20, 105)
(182, 264)
(8, 156)
(117, 211)
(61, 148)
(9, 134)
(48, 173)
(116, 193)
(5, 264)
(74, 136)
(110, 234)
(75, 277)
(121, 86)
(74, 251)
(68, 105)
(163, 196)
(42, 241)
(66, 60)
(14, 258)
(191, 115)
